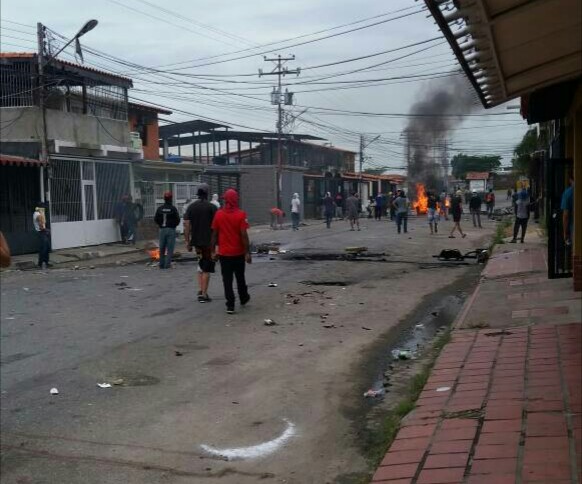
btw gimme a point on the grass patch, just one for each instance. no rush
(500, 233)
(380, 439)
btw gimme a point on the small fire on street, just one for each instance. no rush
(154, 254)
(420, 205)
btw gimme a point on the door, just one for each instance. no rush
(559, 255)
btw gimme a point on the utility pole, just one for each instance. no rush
(446, 165)
(41, 103)
(280, 99)
(363, 146)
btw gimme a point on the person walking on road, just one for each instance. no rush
(43, 234)
(509, 194)
(215, 201)
(295, 211)
(328, 209)
(391, 209)
(433, 213)
(198, 234)
(229, 232)
(339, 206)
(379, 207)
(401, 205)
(475, 209)
(353, 210)
(490, 202)
(522, 209)
(457, 211)
(167, 218)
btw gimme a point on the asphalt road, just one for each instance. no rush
(205, 397)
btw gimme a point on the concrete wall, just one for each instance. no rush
(25, 124)
(258, 192)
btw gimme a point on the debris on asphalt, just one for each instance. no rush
(374, 393)
(367, 329)
(356, 250)
(25, 289)
(118, 381)
(443, 389)
(328, 326)
(91, 267)
(435, 313)
(54, 391)
(270, 322)
(419, 326)
(399, 354)
(178, 353)
(272, 284)
(124, 276)
(76, 268)
(121, 284)
(104, 385)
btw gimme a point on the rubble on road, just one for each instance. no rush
(374, 393)
(270, 322)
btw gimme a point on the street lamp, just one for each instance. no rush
(89, 25)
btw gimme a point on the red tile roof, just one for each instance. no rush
(10, 160)
(477, 175)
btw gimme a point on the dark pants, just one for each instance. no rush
(167, 244)
(476, 213)
(400, 219)
(328, 219)
(233, 266)
(44, 247)
(378, 212)
(520, 222)
(490, 208)
(295, 220)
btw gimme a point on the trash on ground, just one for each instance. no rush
(328, 326)
(178, 353)
(118, 381)
(374, 393)
(273, 252)
(272, 284)
(121, 284)
(282, 252)
(25, 289)
(419, 326)
(402, 354)
(123, 276)
(443, 389)
(367, 329)
(104, 385)
(134, 289)
(435, 313)
(356, 250)
(270, 322)
(54, 391)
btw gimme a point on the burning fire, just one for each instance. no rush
(154, 254)
(421, 203)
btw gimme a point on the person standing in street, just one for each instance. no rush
(457, 211)
(43, 234)
(328, 209)
(132, 214)
(167, 218)
(522, 209)
(229, 232)
(215, 201)
(295, 211)
(379, 207)
(339, 206)
(475, 209)
(509, 194)
(401, 206)
(391, 209)
(490, 202)
(198, 234)
(353, 210)
(433, 213)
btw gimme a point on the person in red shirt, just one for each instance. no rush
(277, 218)
(229, 232)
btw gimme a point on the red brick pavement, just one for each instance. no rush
(500, 406)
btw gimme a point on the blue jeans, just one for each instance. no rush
(400, 218)
(295, 220)
(167, 244)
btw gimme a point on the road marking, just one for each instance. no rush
(254, 451)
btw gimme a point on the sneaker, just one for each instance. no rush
(201, 298)
(206, 299)
(513, 241)
(244, 301)
(229, 310)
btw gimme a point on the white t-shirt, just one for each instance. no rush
(295, 204)
(36, 216)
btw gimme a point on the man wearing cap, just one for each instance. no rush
(475, 208)
(197, 233)
(167, 218)
(229, 232)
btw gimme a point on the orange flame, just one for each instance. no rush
(154, 254)
(421, 203)
(447, 202)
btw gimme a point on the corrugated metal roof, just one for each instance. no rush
(10, 160)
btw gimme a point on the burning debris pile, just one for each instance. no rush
(440, 110)
(420, 204)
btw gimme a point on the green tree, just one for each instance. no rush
(463, 163)
(523, 151)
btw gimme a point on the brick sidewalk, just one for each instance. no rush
(500, 406)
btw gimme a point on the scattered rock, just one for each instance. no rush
(270, 322)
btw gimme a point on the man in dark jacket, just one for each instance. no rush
(475, 208)
(167, 218)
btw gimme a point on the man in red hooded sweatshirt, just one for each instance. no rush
(229, 232)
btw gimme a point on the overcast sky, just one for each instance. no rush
(139, 32)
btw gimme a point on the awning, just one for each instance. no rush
(508, 48)
(9, 160)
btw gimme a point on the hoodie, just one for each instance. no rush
(229, 224)
(295, 203)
